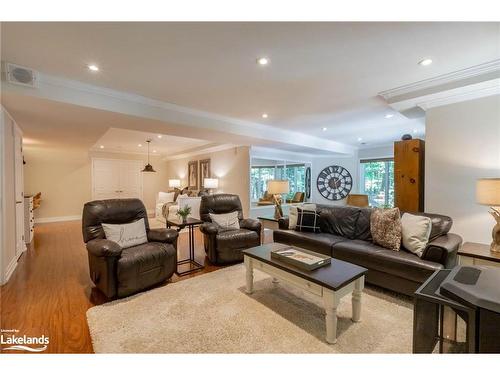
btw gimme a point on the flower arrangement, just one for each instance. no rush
(184, 212)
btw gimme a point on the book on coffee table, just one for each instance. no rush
(302, 258)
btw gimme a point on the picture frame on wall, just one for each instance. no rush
(205, 171)
(193, 175)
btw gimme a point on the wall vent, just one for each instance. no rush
(21, 75)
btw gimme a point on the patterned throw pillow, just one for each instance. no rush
(307, 221)
(385, 226)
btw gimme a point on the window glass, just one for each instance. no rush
(377, 181)
(294, 173)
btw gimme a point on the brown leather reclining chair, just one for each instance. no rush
(121, 272)
(225, 245)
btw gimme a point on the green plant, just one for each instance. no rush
(184, 212)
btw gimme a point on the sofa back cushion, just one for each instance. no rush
(339, 220)
(441, 224)
(363, 231)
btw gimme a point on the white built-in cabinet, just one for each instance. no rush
(116, 178)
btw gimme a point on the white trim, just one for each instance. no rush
(78, 93)
(201, 152)
(10, 270)
(473, 71)
(55, 219)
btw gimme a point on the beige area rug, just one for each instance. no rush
(211, 313)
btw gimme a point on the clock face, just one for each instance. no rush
(334, 182)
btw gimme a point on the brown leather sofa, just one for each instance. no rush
(345, 234)
(226, 245)
(121, 272)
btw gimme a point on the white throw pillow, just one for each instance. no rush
(226, 221)
(416, 231)
(126, 235)
(293, 213)
(182, 196)
(165, 197)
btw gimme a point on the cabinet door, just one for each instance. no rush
(408, 175)
(130, 179)
(106, 179)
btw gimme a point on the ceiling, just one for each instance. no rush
(122, 140)
(321, 75)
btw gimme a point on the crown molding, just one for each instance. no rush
(474, 71)
(177, 118)
(208, 150)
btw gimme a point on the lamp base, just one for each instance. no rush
(495, 234)
(278, 211)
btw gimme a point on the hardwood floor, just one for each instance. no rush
(50, 290)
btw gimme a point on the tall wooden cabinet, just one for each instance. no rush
(409, 173)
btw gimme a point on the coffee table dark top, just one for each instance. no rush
(333, 276)
(181, 224)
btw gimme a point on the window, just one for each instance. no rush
(377, 180)
(294, 173)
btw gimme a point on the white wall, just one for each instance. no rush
(462, 145)
(351, 163)
(8, 259)
(377, 152)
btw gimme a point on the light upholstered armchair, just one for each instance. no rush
(166, 208)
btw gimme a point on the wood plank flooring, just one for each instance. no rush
(50, 290)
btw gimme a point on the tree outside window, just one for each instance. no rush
(377, 181)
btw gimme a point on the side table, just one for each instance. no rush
(190, 223)
(477, 254)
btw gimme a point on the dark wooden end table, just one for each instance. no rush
(190, 223)
(478, 254)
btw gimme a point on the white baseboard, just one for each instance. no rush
(57, 218)
(9, 271)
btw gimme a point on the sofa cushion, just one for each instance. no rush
(307, 221)
(318, 242)
(339, 220)
(399, 263)
(385, 225)
(231, 239)
(363, 231)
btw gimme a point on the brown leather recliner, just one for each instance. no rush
(121, 272)
(225, 245)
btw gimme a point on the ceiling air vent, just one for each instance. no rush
(21, 75)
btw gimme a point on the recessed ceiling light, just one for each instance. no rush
(139, 145)
(425, 62)
(263, 61)
(159, 136)
(265, 115)
(360, 139)
(389, 115)
(101, 146)
(324, 129)
(93, 68)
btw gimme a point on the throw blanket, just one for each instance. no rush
(165, 208)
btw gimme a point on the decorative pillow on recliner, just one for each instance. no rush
(126, 235)
(385, 226)
(416, 231)
(307, 221)
(226, 221)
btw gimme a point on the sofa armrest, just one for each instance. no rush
(283, 223)
(163, 235)
(251, 224)
(209, 228)
(104, 248)
(443, 250)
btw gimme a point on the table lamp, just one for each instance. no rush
(276, 188)
(488, 193)
(210, 183)
(174, 183)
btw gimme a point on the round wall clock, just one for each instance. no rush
(334, 182)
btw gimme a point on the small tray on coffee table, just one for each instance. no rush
(301, 258)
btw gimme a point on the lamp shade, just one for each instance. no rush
(278, 186)
(488, 191)
(174, 183)
(211, 183)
